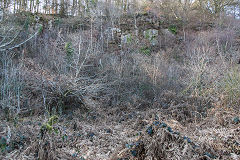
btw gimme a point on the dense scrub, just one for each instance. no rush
(134, 85)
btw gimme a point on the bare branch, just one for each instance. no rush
(18, 45)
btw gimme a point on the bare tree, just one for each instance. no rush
(10, 34)
(217, 6)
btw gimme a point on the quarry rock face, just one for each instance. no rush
(113, 34)
(151, 35)
(145, 27)
(167, 33)
(140, 22)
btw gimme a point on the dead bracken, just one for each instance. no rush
(119, 79)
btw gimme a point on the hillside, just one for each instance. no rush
(120, 80)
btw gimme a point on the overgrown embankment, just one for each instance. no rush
(133, 86)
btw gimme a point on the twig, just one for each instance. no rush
(18, 45)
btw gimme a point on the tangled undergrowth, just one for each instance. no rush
(124, 133)
(118, 91)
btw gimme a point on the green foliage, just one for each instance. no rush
(94, 3)
(53, 120)
(129, 39)
(40, 29)
(145, 51)
(69, 51)
(126, 39)
(173, 29)
(151, 34)
(64, 137)
(48, 127)
(147, 34)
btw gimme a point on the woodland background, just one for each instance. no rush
(119, 79)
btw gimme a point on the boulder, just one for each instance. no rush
(151, 35)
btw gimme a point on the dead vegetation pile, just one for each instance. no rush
(162, 144)
(125, 133)
(46, 90)
(215, 136)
